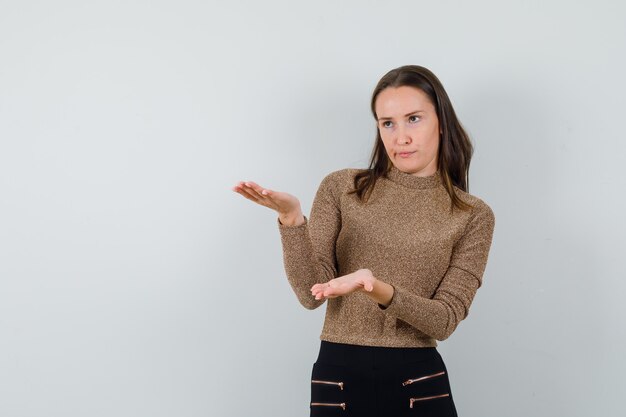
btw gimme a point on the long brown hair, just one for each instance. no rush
(455, 149)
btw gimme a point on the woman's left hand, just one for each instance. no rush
(359, 280)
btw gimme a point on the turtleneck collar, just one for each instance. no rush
(413, 181)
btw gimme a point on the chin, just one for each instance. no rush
(409, 165)
(411, 168)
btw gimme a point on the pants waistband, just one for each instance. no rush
(356, 355)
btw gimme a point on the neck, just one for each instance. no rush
(413, 181)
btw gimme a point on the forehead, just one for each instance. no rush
(393, 101)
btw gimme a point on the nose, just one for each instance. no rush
(402, 135)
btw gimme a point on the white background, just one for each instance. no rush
(134, 282)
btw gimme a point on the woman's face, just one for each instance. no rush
(409, 127)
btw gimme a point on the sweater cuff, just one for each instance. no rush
(401, 302)
(286, 228)
(393, 296)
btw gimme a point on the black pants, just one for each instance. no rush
(371, 381)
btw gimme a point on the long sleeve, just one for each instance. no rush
(439, 316)
(309, 248)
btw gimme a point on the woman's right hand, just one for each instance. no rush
(286, 205)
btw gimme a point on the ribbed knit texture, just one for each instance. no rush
(406, 235)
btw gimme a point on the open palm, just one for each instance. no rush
(282, 202)
(359, 280)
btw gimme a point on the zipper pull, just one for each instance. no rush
(340, 384)
(412, 400)
(342, 405)
(410, 381)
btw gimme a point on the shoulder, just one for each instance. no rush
(340, 179)
(344, 173)
(481, 210)
(337, 184)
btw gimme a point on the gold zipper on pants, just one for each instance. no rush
(412, 400)
(410, 381)
(317, 381)
(342, 405)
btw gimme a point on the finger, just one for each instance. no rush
(253, 193)
(319, 295)
(252, 198)
(366, 285)
(339, 289)
(263, 195)
(257, 188)
(328, 291)
(247, 187)
(276, 198)
(237, 186)
(320, 290)
(247, 194)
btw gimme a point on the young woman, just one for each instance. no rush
(397, 250)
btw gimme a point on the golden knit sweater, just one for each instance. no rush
(406, 235)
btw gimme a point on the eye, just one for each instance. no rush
(414, 118)
(384, 124)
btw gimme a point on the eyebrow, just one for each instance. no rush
(408, 114)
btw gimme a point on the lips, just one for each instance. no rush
(405, 154)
